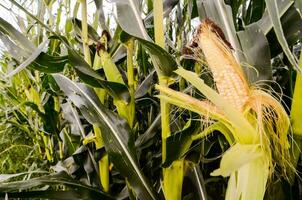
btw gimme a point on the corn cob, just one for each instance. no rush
(227, 72)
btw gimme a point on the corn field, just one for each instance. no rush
(151, 99)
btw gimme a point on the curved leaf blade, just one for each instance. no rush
(265, 23)
(49, 64)
(15, 35)
(160, 57)
(115, 131)
(129, 18)
(91, 77)
(195, 175)
(60, 178)
(257, 52)
(275, 17)
(92, 34)
(30, 59)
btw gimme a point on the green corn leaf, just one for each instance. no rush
(128, 13)
(12, 48)
(129, 18)
(266, 23)
(116, 134)
(275, 16)
(178, 144)
(60, 178)
(7, 29)
(92, 34)
(160, 57)
(49, 64)
(30, 59)
(116, 90)
(100, 10)
(194, 173)
(257, 51)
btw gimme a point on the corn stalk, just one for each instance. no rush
(104, 161)
(173, 175)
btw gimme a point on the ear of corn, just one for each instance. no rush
(257, 120)
(227, 73)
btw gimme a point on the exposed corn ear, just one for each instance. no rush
(227, 72)
(260, 127)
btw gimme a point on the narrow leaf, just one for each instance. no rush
(265, 23)
(160, 57)
(30, 59)
(12, 48)
(60, 178)
(275, 17)
(49, 64)
(129, 18)
(115, 131)
(256, 49)
(91, 77)
(15, 35)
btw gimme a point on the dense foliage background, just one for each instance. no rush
(65, 105)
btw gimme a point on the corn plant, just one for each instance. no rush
(142, 99)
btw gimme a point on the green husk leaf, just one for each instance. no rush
(244, 131)
(243, 154)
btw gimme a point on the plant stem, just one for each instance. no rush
(47, 148)
(61, 151)
(76, 9)
(158, 23)
(130, 76)
(85, 32)
(130, 73)
(104, 161)
(164, 107)
(173, 175)
(165, 124)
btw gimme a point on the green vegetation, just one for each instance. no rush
(170, 99)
